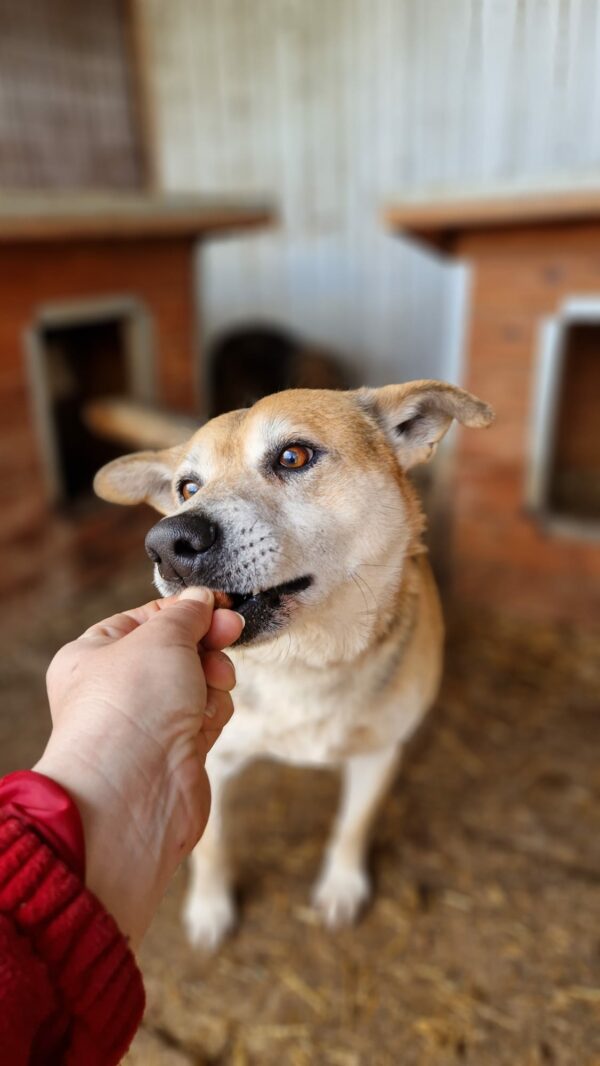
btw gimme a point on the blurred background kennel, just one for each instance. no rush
(205, 200)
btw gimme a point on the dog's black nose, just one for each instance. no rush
(175, 544)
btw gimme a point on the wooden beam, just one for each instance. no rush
(145, 111)
(134, 216)
(438, 222)
(138, 426)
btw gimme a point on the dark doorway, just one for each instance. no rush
(79, 354)
(574, 481)
(84, 362)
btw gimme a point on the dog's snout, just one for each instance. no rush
(175, 544)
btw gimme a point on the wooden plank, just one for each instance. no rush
(136, 425)
(440, 222)
(137, 44)
(52, 218)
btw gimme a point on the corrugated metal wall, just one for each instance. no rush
(337, 106)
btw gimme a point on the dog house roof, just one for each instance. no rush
(438, 221)
(64, 217)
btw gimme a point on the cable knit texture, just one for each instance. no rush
(70, 990)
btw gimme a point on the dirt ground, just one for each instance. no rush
(482, 945)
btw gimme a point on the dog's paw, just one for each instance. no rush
(340, 894)
(208, 919)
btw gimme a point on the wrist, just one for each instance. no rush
(126, 867)
(42, 803)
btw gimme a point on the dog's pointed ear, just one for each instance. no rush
(144, 477)
(415, 416)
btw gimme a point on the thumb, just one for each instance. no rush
(184, 621)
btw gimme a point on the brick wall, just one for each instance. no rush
(158, 273)
(501, 554)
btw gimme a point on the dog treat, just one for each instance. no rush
(222, 599)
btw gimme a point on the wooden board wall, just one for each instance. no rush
(68, 96)
(338, 107)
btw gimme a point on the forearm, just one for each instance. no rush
(124, 868)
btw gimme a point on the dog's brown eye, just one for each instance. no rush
(188, 489)
(295, 456)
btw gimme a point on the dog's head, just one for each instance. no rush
(297, 510)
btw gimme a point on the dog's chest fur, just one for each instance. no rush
(321, 716)
(300, 714)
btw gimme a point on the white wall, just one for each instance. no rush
(337, 106)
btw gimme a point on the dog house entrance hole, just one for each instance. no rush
(79, 354)
(574, 485)
(566, 482)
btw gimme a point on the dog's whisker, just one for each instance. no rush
(354, 578)
(380, 566)
(362, 582)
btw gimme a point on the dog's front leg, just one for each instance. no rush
(209, 910)
(344, 886)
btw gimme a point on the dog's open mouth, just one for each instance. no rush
(272, 597)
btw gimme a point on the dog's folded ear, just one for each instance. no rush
(415, 416)
(144, 477)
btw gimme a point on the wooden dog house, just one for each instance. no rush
(98, 296)
(525, 521)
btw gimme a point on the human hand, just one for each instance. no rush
(135, 709)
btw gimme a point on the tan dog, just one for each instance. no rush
(300, 512)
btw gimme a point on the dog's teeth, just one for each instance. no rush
(256, 592)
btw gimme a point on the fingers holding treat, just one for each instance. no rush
(225, 628)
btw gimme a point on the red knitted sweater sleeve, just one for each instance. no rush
(70, 990)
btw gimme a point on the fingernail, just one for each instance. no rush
(210, 710)
(241, 618)
(198, 593)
